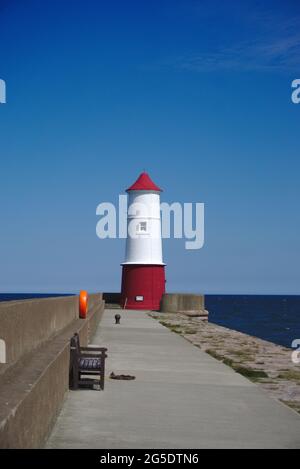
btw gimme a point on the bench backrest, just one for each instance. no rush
(75, 343)
(75, 349)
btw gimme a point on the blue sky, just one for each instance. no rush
(196, 92)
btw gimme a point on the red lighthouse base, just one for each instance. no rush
(142, 286)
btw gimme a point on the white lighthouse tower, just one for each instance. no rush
(143, 271)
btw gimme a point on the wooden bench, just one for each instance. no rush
(86, 362)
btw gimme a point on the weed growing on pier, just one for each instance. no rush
(173, 327)
(293, 404)
(228, 362)
(249, 373)
(291, 375)
(214, 354)
(190, 331)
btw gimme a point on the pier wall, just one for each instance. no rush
(184, 303)
(26, 324)
(35, 379)
(112, 297)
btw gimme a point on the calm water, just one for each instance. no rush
(27, 296)
(271, 317)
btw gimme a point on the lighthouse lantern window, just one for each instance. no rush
(142, 226)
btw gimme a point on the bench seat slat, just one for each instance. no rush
(86, 360)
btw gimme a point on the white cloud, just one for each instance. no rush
(273, 43)
(279, 54)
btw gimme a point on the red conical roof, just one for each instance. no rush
(143, 183)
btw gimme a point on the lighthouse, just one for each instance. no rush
(143, 271)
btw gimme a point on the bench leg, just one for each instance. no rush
(102, 374)
(75, 377)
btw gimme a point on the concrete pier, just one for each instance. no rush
(181, 398)
(34, 379)
(190, 304)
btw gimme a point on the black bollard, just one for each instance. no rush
(117, 318)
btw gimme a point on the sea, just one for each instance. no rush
(28, 296)
(275, 318)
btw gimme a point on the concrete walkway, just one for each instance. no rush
(181, 398)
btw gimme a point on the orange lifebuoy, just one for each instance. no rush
(83, 304)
